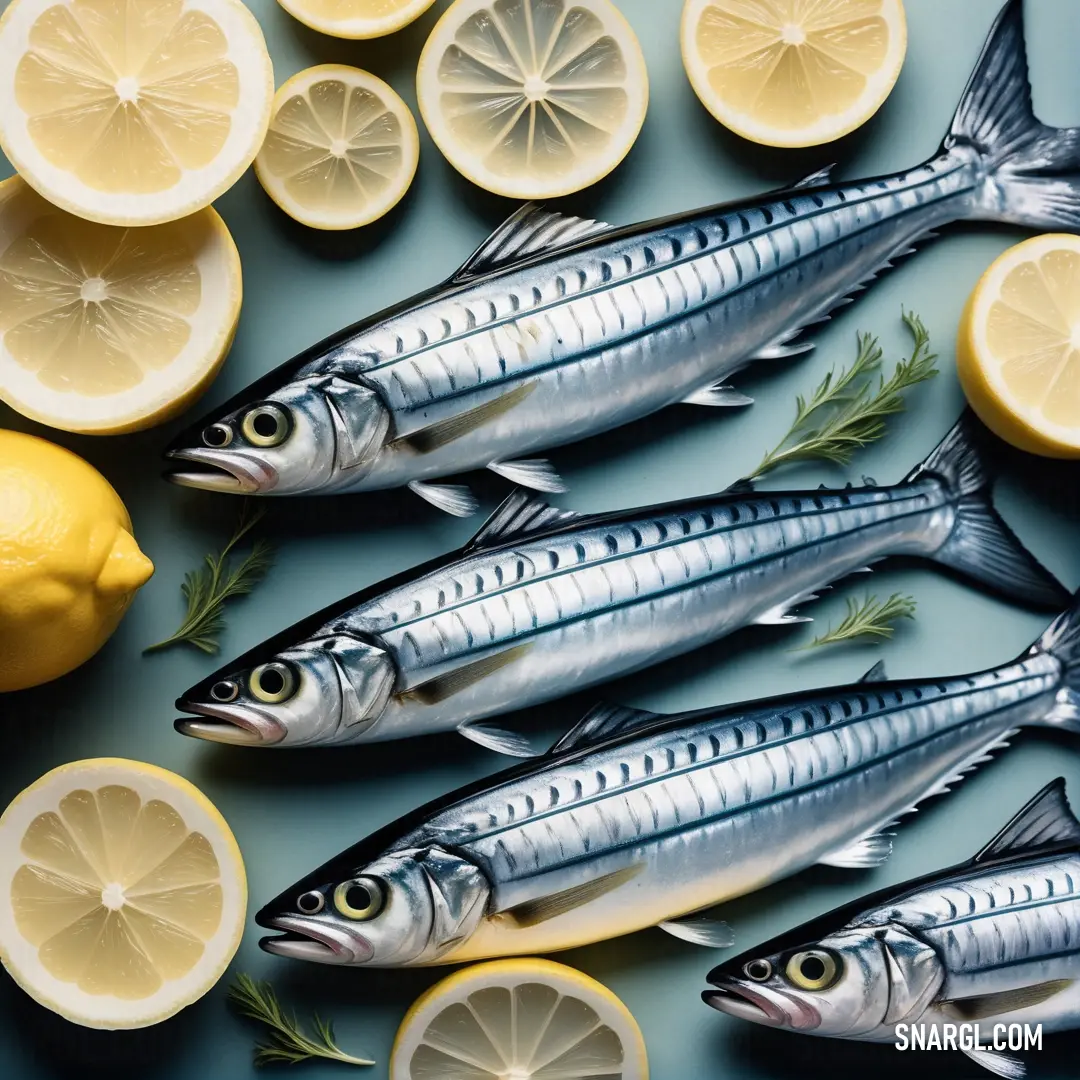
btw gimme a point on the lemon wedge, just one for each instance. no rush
(1018, 348)
(533, 99)
(342, 148)
(525, 1019)
(356, 18)
(132, 114)
(793, 72)
(122, 893)
(105, 329)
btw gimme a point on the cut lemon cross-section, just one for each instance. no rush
(106, 329)
(533, 98)
(356, 18)
(342, 148)
(1018, 349)
(132, 113)
(122, 893)
(519, 1020)
(793, 72)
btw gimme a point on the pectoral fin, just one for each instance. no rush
(499, 740)
(998, 1063)
(1007, 1001)
(449, 498)
(425, 440)
(453, 682)
(534, 912)
(701, 930)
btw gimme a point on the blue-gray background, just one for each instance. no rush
(291, 809)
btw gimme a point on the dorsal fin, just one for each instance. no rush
(519, 514)
(876, 673)
(601, 722)
(817, 179)
(1047, 819)
(528, 231)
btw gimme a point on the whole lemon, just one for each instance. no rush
(69, 565)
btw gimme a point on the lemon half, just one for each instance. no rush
(793, 72)
(533, 99)
(1018, 349)
(342, 148)
(132, 113)
(356, 18)
(106, 329)
(122, 892)
(526, 1019)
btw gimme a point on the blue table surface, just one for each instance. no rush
(291, 809)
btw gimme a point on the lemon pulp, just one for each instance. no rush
(342, 148)
(793, 72)
(533, 98)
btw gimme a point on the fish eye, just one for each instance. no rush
(272, 683)
(224, 690)
(217, 435)
(814, 969)
(311, 903)
(266, 425)
(361, 898)
(758, 970)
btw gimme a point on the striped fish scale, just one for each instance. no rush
(493, 599)
(853, 761)
(1009, 926)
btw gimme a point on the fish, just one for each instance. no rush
(995, 940)
(635, 820)
(543, 602)
(560, 328)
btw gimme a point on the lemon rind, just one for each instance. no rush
(357, 29)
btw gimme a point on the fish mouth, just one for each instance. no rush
(217, 470)
(759, 1005)
(304, 939)
(229, 724)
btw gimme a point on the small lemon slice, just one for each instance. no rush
(356, 18)
(533, 99)
(1018, 349)
(132, 113)
(105, 329)
(525, 1019)
(122, 893)
(342, 148)
(793, 72)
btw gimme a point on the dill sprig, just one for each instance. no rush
(207, 588)
(288, 1043)
(848, 411)
(868, 618)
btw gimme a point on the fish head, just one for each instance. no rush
(405, 907)
(326, 690)
(850, 983)
(305, 435)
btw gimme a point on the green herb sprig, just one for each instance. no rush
(868, 618)
(848, 411)
(288, 1043)
(207, 588)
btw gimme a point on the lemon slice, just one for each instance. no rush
(105, 329)
(342, 148)
(122, 893)
(793, 72)
(533, 98)
(519, 1019)
(132, 113)
(1018, 349)
(356, 18)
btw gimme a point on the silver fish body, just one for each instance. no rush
(636, 820)
(543, 603)
(561, 328)
(995, 941)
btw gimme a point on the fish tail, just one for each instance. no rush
(981, 546)
(1032, 169)
(1062, 642)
